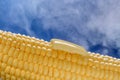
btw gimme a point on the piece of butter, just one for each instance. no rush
(68, 47)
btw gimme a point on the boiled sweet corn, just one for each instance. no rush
(28, 58)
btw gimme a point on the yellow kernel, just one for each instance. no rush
(33, 49)
(40, 59)
(26, 65)
(35, 58)
(68, 76)
(33, 76)
(61, 55)
(68, 57)
(10, 61)
(54, 53)
(50, 71)
(2, 47)
(40, 69)
(20, 56)
(74, 58)
(45, 72)
(22, 47)
(68, 66)
(73, 67)
(7, 76)
(17, 72)
(55, 62)
(13, 78)
(15, 63)
(7, 70)
(5, 58)
(38, 50)
(62, 74)
(22, 74)
(28, 48)
(27, 75)
(45, 61)
(12, 71)
(50, 61)
(20, 64)
(42, 77)
(60, 63)
(6, 49)
(36, 66)
(11, 51)
(30, 59)
(16, 53)
(49, 52)
(25, 57)
(43, 51)
(31, 67)
(56, 73)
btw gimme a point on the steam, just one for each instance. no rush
(92, 24)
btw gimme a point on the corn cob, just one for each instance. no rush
(28, 58)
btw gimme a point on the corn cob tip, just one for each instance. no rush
(68, 47)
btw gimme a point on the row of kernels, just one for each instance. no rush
(44, 70)
(109, 66)
(37, 50)
(93, 72)
(48, 61)
(97, 72)
(31, 38)
(2, 66)
(96, 57)
(84, 71)
(12, 62)
(2, 75)
(9, 35)
(84, 77)
(19, 73)
(10, 50)
(104, 58)
(57, 63)
(34, 41)
(2, 47)
(105, 64)
(22, 65)
(8, 41)
(115, 67)
(67, 65)
(62, 55)
(19, 40)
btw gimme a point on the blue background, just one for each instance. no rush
(93, 24)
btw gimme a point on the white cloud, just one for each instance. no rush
(85, 22)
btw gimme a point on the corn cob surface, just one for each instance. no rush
(28, 58)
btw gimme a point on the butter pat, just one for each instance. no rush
(58, 44)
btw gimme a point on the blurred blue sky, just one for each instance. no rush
(93, 24)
